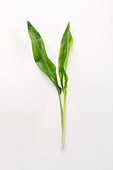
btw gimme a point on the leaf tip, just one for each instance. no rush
(28, 24)
(68, 25)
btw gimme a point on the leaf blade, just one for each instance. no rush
(65, 46)
(40, 55)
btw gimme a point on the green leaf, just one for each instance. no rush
(66, 43)
(40, 56)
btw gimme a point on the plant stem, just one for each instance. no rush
(61, 111)
(63, 119)
(62, 116)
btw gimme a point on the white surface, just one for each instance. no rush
(30, 129)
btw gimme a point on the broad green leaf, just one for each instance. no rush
(65, 46)
(40, 56)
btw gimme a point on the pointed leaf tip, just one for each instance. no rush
(69, 23)
(29, 25)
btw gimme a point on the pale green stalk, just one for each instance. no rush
(61, 109)
(63, 119)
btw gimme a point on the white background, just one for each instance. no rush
(30, 130)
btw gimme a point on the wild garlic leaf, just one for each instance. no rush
(47, 67)
(66, 43)
(40, 56)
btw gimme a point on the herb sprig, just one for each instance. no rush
(47, 67)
